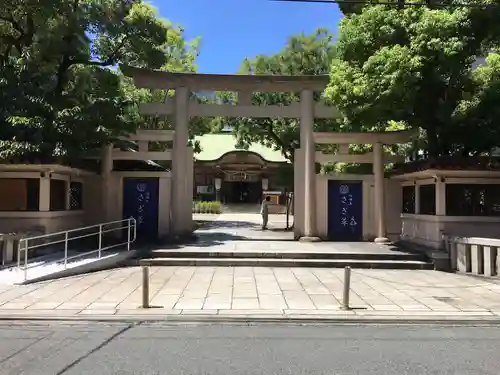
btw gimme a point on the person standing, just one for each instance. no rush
(264, 211)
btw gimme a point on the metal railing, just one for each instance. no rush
(95, 235)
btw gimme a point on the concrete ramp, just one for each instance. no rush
(72, 252)
(46, 268)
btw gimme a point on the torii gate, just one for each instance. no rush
(245, 85)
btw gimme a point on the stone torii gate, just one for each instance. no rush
(245, 85)
(377, 158)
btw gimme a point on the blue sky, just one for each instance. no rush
(234, 29)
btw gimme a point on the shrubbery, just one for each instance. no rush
(201, 207)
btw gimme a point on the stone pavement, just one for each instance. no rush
(244, 226)
(257, 292)
(242, 232)
(227, 292)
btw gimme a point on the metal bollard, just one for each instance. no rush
(347, 287)
(145, 287)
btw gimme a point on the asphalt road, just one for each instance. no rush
(158, 348)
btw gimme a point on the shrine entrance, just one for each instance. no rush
(241, 192)
(310, 204)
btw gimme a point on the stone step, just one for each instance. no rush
(287, 262)
(277, 254)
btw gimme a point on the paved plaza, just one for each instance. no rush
(263, 292)
(231, 226)
(257, 291)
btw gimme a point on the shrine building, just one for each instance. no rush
(229, 174)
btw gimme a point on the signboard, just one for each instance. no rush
(205, 189)
(140, 200)
(345, 211)
(241, 177)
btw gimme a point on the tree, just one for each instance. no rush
(478, 113)
(349, 7)
(181, 59)
(57, 62)
(412, 66)
(197, 125)
(303, 55)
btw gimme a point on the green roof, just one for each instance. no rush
(213, 146)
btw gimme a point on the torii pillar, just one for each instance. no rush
(378, 172)
(180, 205)
(309, 154)
(106, 188)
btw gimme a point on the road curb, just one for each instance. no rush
(249, 319)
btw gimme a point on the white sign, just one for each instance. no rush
(344, 189)
(143, 198)
(345, 202)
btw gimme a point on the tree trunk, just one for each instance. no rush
(432, 142)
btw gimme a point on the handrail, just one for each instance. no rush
(76, 229)
(473, 240)
(130, 225)
(473, 255)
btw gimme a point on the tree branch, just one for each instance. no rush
(66, 60)
(14, 24)
(30, 32)
(89, 62)
(111, 60)
(285, 150)
(25, 37)
(9, 42)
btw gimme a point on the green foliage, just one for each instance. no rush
(349, 7)
(202, 207)
(477, 115)
(303, 55)
(283, 177)
(181, 58)
(59, 91)
(413, 67)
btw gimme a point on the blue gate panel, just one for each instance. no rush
(140, 201)
(345, 211)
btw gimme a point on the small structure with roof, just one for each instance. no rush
(455, 196)
(60, 194)
(42, 198)
(230, 174)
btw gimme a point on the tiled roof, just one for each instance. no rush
(467, 163)
(213, 146)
